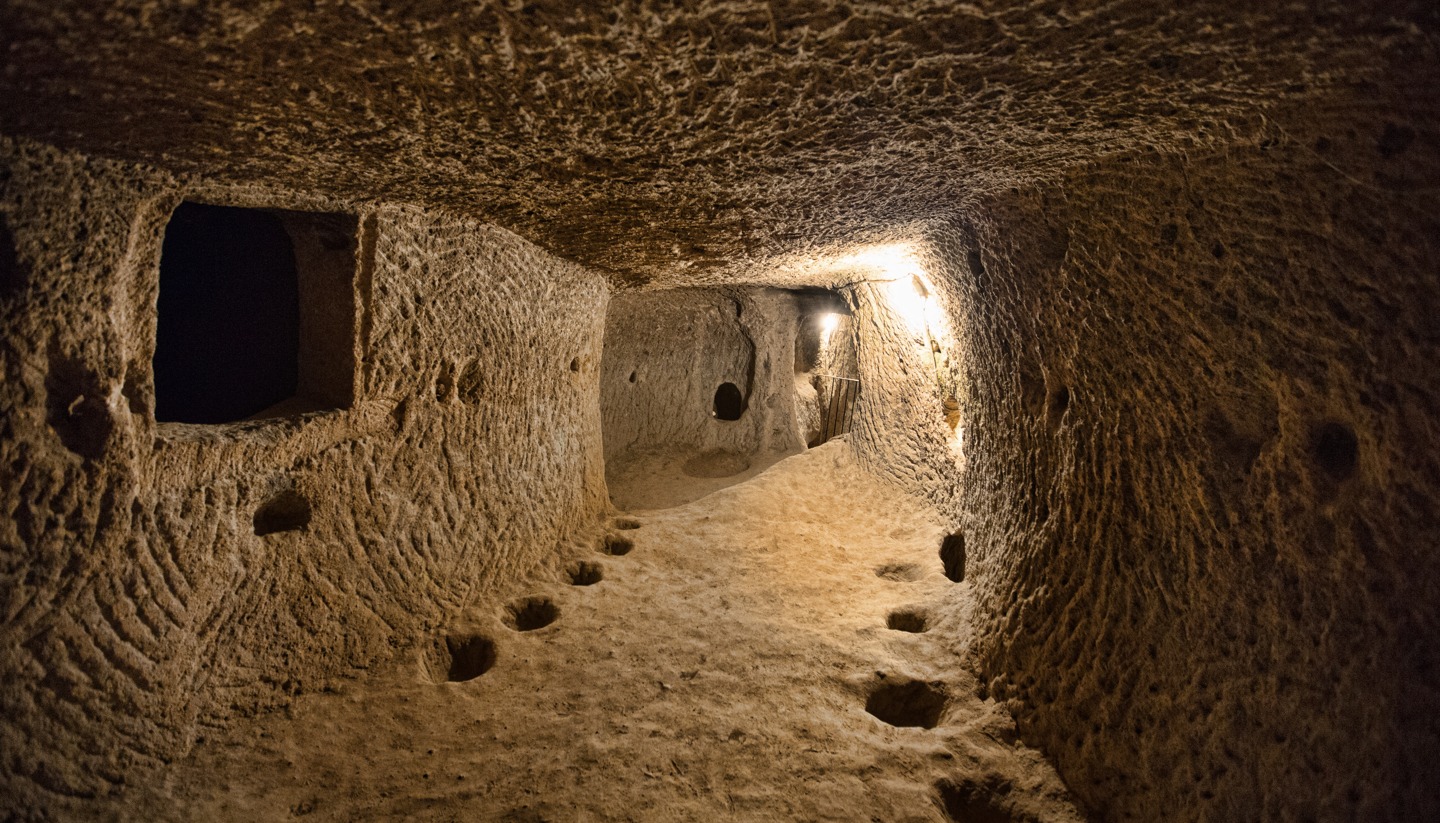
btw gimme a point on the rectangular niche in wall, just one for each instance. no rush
(256, 314)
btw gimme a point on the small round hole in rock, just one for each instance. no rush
(457, 658)
(908, 620)
(616, 545)
(1335, 449)
(969, 802)
(531, 613)
(899, 572)
(586, 573)
(912, 704)
(1059, 404)
(632, 377)
(574, 364)
(285, 512)
(729, 403)
(952, 556)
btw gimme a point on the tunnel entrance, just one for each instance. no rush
(827, 381)
(729, 402)
(696, 392)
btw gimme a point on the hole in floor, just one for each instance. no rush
(952, 556)
(626, 523)
(966, 801)
(616, 545)
(899, 572)
(586, 573)
(909, 704)
(908, 620)
(457, 658)
(531, 613)
(287, 511)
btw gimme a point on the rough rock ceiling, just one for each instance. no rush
(648, 139)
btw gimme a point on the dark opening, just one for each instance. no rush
(287, 511)
(914, 703)
(227, 341)
(585, 573)
(952, 555)
(973, 802)
(460, 657)
(256, 309)
(729, 403)
(1335, 449)
(908, 620)
(531, 613)
(12, 277)
(616, 545)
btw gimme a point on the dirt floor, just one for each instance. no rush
(720, 668)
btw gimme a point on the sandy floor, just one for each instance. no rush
(663, 480)
(720, 670)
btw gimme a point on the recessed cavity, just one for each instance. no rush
(586, 573)
(616, 545)
(459, 657)
(911, 704)
(1335, 449)
(531, 613)
(966, 801)
(729, 402)
(908, 620)
(286, 511)
(899, 572)
(255, 309)
(626, 523)
(952, 556)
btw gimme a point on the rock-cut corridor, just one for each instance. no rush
(1002, 410)
(764, 653)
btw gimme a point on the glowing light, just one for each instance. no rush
(910, 299)
(827, 326)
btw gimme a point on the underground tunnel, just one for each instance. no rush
(532, 411)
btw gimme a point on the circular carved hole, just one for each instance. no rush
(574, 364)
(632, 377)
(908, 620)
(952, 556)
(973, 802)
(457, 658)
(729, 403)
(586, 573)
(1335, 449)
(531, 613)
(913, 704)
(616, 545)
(899, 572)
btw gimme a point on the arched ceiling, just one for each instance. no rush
(653, 139)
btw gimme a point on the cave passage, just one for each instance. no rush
(539, 411)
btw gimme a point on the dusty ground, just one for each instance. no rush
(663, 479)
(719, 670)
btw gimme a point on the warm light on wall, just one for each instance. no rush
(827, 327)
(910, 299)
